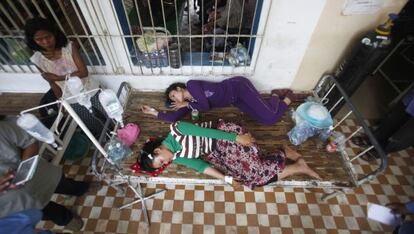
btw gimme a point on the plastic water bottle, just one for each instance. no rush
(239, 56)
(117, 150)
(301, 132)
(35, 128)
(336, 142)
(75, 86)
(112, 106)
(324, 134)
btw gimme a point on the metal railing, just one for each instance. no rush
(108, 33)
(325, 86)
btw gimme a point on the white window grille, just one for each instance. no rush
(14, 53)
(143, 37)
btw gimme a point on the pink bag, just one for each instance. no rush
(129, 134)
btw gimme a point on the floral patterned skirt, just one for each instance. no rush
(246, 164)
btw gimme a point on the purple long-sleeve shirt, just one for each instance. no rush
(206, 95)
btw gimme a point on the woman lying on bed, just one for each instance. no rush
(237, 91)
(229, 148)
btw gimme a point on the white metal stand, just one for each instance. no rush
(124, 178)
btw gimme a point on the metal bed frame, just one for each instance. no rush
(320, 93)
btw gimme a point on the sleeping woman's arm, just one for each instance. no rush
(166, 116)
(202, 166)
(194, 130)
(173, 116)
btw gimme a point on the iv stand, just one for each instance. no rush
(124, 178)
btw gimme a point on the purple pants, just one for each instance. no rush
(249, 101)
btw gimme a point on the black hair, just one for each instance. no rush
(172, 87)
(2, 117)
(147, 149)
(36, 24)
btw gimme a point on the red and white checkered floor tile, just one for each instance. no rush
(221, 209)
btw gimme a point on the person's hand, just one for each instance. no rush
(178, 105)
(50, 77)
(398, 208)
(5, 181)
(245, 139)
(149, 110)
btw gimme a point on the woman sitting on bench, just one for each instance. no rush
(237, 91)
(229, 148)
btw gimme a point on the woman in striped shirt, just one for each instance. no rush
(229, 148)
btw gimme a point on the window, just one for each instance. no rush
(14, 53)
(175, 34)
(143, 37)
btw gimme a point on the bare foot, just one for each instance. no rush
(307, 170)
(291, 153)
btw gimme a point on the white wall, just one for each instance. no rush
(333, 39)
(287, 34)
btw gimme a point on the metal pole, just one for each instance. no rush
(85, 129)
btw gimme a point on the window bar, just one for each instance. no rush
(105, 30)
(12, 5)
(70, 25)
(102, 38)
(142, 33)
(26, 8)
(202, 34)
(9, 17)
(6, 52)
(2, 68)
(238, 37)
(154, 30)
(123, 38)
(38, 8)
(4, 61)
(251, 33)
(166, 34)
(178, 36)
(132, 39)
(76, 34)
(227, 34)
(26, 54)
(189, 30)
(87, 36)
(214, 35)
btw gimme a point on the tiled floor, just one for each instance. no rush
(221, 209)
